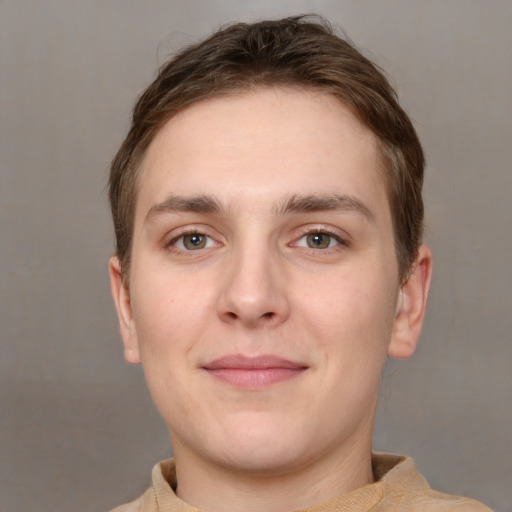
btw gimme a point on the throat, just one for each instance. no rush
(224, 490)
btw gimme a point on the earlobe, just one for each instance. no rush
(411, 307)
(121, 296)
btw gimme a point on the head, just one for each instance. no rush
(268, 217)
(292, 52)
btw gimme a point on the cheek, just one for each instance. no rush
(351, 316)
(170, 313)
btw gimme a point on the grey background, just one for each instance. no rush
(77, 428)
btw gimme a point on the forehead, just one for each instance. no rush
(262, 142)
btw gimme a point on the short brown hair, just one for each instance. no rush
(301, 51)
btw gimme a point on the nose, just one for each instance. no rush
(254, 290)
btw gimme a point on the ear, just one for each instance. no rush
(411, 306)
(121, 296)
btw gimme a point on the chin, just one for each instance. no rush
(266, 448)
(269, 460)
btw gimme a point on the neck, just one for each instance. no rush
(224, 489)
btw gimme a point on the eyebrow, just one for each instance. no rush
(178, 204)
(293, 204)
(325, 202)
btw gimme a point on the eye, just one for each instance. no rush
(193, 242)
(318, 240)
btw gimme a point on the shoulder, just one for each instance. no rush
(145, 503)
(406, 490)
(434, 501)
(160, 496)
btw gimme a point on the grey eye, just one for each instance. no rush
(318, 240)
(194, 241)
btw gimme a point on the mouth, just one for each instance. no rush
(253, 372)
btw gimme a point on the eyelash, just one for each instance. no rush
(171, 244)
(340, 242)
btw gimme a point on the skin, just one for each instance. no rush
(315, 285)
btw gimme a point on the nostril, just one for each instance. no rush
(232, 315)
(270, 314)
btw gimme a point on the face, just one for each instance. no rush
(264, 294)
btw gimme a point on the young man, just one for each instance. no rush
(268, 216)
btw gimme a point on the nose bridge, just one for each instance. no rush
(254, 289)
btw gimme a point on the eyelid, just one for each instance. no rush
(340, 236)
(171, 240)
(337, 233)
(179, 243)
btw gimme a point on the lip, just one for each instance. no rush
(254, 372)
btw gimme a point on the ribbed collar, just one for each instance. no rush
(393, 475)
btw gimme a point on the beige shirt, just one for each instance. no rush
(398, 487)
